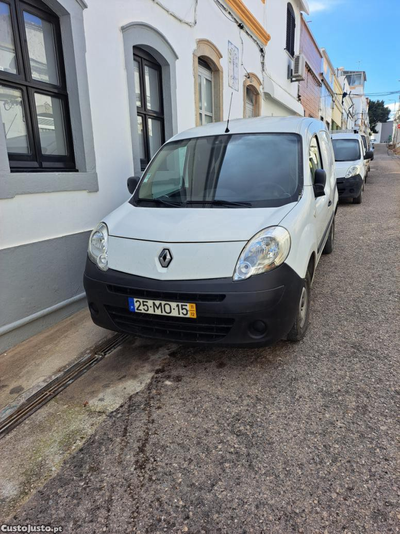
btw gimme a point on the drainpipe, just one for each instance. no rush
(38, 315)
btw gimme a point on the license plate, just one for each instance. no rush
(162, 307)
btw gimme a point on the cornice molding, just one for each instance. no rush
(249, 20)
(82, 4)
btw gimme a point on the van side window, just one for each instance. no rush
(314, 157)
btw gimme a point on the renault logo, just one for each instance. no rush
(165, 257)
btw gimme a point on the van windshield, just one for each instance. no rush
(346, 149)
(239, 170)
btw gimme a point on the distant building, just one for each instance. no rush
(327, 93)
(310, 87)
(356, 80)
(348, 107)
(396, 130)
(337, 108)
(385, 132)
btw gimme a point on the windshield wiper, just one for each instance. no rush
(163, 200)
(227, 203)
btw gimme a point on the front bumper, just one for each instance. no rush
(349, 187)
(225, 309)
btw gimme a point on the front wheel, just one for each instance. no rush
(358, 200)
(301, 322)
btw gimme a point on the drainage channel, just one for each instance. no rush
(53, 388)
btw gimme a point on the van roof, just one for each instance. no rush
(298, 125)
(345, 135)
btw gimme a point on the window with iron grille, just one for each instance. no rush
(290, 29)
(33, 95)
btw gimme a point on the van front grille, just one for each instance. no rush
(166, 295)
(202, 329)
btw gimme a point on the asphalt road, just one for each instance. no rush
(293, 438)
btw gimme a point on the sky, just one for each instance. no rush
(361, 35)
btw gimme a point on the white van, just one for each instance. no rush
(221, 237)
(350, 165)
(370, 149)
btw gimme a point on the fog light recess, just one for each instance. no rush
(258, 329)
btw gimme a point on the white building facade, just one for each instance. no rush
(356, 81)
(347, 102)
(88, 92)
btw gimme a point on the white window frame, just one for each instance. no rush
(205, 74)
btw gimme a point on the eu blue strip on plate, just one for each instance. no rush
(131, 304)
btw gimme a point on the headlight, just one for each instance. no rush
(265, 251)
(352, 171)
(98, 246)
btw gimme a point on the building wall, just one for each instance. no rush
(310, 88)
(337, 111)
(348, 104)
(356, 80)
(386, 132)
(327, 90)
(281, 95)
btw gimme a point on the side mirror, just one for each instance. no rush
(132, 183)
(369, 154)
(319, 183)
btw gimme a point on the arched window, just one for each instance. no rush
(208, 87)
(149, 104)
(33, 95)
(252, 96)
(290, 29)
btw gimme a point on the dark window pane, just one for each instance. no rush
(51, 122)
(141, 137)
(8, 60)
(13, 119)
(41, 47)
(155, 135)
(250, 103)
(153, 97)
(136, 67)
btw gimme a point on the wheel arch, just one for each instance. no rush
(311, 267)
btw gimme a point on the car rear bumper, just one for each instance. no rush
(227, 311)
(349, 187)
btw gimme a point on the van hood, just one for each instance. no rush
(192, 225)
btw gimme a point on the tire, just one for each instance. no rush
(358, 200)
(329, 245)
(301, 321)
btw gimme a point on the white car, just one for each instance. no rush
(222, 235)
(350, 165)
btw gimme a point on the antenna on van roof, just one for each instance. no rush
(229, 115)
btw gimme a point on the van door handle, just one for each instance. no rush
(330, 203)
